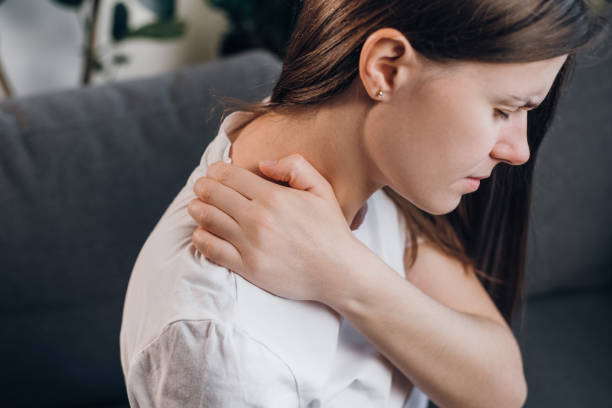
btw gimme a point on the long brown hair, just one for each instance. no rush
(488, 230)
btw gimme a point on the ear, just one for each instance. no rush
(385, 61)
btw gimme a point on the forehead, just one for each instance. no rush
(521, 79)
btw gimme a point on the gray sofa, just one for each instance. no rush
(85, 175)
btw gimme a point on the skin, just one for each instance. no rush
(433, 126)
(429, 113)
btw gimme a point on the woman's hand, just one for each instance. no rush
(291, 241)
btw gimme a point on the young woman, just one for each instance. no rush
(312, 293)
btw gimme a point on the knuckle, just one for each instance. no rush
(212, 168)
(224, 173)
(256, 263)
(293, 173)
(296, 158)
(261, 219)
(192, 206)
(198, 238)
(198, 185)
(211, 249)
(200, 212)
(275, 198)
(219, 171)
(205, 189)
(204, 216)
(204, 243)
(299, 161)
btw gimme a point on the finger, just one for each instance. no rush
(222, 197)
(299, 173)
(215, 221)
(216, 250)
(243, 181)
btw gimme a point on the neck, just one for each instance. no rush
(330, 138)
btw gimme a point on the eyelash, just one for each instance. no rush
(501, 113)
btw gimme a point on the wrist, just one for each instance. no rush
(363, 274)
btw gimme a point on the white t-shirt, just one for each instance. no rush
(195, 334)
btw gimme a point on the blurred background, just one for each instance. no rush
(48, 45)
(105, 109)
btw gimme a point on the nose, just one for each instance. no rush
(512, 146)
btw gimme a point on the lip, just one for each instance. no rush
(473, 182)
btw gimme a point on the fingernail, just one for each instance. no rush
(269, 163)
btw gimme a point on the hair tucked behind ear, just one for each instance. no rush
(488, 230)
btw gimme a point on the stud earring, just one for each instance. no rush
(379, 93)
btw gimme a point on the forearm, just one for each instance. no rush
(457, 359)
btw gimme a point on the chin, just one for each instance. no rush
(430, 204)
(439, 207)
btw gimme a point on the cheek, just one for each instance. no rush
(432, 145)
(425, 144)
(424, 158)
(408, 156)
(462, 135)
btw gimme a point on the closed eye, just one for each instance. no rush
(503, 114)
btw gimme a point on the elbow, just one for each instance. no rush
(514, 397)
(511, 395)
(522, 393)
(512, 385)
(514, 391)
(518, 398)
(515, 382)
(510, 398)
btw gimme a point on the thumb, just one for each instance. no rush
(299, 174)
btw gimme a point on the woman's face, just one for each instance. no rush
(435, 131)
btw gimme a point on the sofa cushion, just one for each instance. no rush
(565, 340)
(85, 174)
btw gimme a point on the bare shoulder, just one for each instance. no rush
(444, 279)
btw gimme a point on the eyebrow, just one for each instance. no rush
(529, 102)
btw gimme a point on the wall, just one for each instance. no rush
(40, 43)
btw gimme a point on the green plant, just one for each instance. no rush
(4, 84)
(258, 24)
(165, 27)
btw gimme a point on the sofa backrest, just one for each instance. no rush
(570, 234)
(86, 174)
(84, 177)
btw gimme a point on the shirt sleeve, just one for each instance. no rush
(208, 363)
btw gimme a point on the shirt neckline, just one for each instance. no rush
(233, 121)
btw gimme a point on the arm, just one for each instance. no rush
(439, 327)
(453, 344)
(208, 363)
